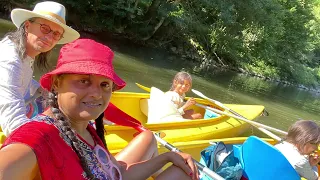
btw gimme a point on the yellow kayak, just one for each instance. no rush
(194, 147)
(189, 130)
(223, 126)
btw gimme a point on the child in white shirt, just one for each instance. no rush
(181, 84)
(299, 146)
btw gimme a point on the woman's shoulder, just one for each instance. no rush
(33, 132)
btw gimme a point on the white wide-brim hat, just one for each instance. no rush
(48, 10)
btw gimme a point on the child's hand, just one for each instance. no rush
(314, 159)
(190, 102)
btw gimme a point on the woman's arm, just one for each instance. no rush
(18, 161)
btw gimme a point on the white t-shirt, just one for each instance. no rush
(15, 84)
(299, 162)
(161, 109)
(176, 99)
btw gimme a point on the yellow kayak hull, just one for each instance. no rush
(189, 130)
(195, 147)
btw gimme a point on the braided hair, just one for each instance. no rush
(62, 123)
(65, 126)
(100, 129)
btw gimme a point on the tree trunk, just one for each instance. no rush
(136, 4)
(155, 29)
(152, 10)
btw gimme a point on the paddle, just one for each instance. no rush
(201, 167)
(243, 119)
(116, 115)
(221, 112)
(237, 116)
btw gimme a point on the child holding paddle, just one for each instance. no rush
(181, 84)
(299, 146)
(60, 143)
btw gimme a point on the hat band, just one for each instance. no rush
(51, 14)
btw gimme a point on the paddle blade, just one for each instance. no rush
(198, 93)
(143, 87)
(116, 115)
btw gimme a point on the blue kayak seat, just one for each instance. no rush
(262, 161)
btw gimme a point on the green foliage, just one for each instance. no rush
(275, 38)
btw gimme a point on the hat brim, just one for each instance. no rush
(18, 16)
(83, 67)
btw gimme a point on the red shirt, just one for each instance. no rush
(55, 156)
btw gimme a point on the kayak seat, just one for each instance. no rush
(144, 106)
(262, 161)
(159, 108)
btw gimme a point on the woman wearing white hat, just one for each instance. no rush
(38, 31)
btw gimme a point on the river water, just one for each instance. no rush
(151, 67)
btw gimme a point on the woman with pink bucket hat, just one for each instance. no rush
(60, 144)
(38, 31)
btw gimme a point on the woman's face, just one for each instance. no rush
(83, 97)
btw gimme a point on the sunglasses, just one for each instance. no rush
(106, 162)
(45, 29)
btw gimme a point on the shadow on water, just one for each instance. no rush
(152, 67)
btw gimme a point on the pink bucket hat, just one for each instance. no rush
(84, 56)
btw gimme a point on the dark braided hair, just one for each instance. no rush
(99, 124)
(65, 126)
(100, 129)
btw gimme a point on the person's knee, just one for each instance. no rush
(198, 116)
(148, 137)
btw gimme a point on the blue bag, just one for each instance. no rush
(221, 160)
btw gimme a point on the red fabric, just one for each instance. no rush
(116, 115)
(56, 160)
(84, 56)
